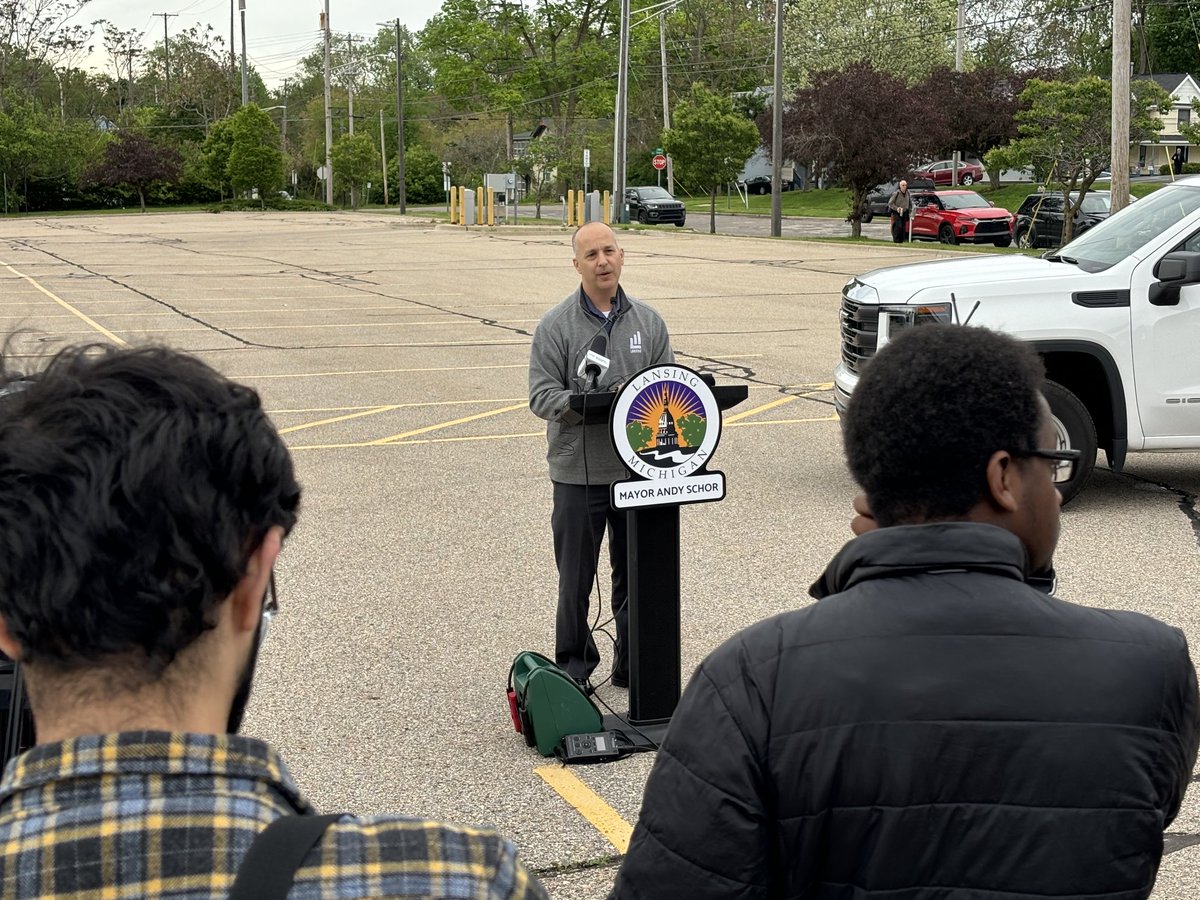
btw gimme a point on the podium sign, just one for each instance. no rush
(666, 424)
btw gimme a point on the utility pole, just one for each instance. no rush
(245, 83)
(777, 128)
(167, 47)
(618, 191)
(401, 187)
(350, 82)
(383, 153)
(328, 112)
(662, 46)
(960, 36)
(232, 44)
(960, 39)
(1119, 167)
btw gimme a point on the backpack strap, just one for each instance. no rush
(270, 865)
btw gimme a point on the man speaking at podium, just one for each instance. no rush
(591, 341)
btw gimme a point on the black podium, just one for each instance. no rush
(655, 666)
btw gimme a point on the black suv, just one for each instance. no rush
(877, 199)
(654, 206)
(1040, 217)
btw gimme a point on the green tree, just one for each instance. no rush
(640, 435)
(255, 160)
(1041, 36)
(37, 37)
(1066, 133)
(693, 428)
(136, 159)
(710, 143)
(905, 38)
(542, 159)
(214, 156)
(1170, 36)
(422, 175)
(355, 161)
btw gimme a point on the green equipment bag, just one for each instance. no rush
(546, 704)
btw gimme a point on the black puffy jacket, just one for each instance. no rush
(931, 728)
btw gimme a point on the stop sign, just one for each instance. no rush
(660, 161)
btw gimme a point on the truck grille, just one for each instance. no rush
(860, 333)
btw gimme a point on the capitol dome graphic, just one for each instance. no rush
(666, 424)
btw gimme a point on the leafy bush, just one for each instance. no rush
(275, 203)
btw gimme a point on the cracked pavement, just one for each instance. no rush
(393, 355)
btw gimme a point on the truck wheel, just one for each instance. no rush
(1027, 238)
(946, 235)
(641, 217)
(1075, 431)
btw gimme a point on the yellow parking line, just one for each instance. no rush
(463, 439)
(446, 440)
(251, 377)
(428, 428)
(68, 307)
(832, 418)
(756, 410)
(588, 804)
(338, 409)
(345, 418)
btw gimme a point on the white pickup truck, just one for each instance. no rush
(1115, 314)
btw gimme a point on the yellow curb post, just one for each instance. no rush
(607, 208)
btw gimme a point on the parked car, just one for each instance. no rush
(877, 199)
(761, 184)
(1040, 217)
(955, 217)
(654, 206)
(942, 172)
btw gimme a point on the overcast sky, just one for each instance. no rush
(278, 32)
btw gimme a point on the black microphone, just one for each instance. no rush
(594, 364)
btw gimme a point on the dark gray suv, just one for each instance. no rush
(1040, 217)
(654, 206)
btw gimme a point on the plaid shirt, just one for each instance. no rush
(152, 814)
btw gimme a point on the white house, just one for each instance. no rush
(1146, 158)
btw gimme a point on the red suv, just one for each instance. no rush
(954, 217)
(942, 172)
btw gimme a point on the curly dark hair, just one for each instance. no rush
(930, 410)
(134, 486)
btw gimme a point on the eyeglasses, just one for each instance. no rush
(269, 610)
(1064, 462)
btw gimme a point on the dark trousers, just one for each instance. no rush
(578, 520)
(899, 228)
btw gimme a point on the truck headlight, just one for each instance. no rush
(860, 293)
(920, 314)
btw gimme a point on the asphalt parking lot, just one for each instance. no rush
(392, 355)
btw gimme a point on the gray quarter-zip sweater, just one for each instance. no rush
(637, 339)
